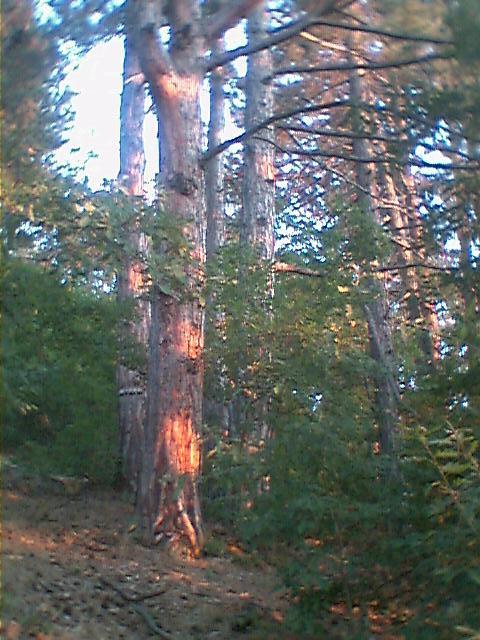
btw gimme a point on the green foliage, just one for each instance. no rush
(353, 543)
(352, 540)
(59, 348)
(34, 114)
(464, 21)
(350, 537)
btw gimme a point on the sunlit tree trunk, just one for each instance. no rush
(407, 228)
(131, 280)
(468, 240)
(168, 499)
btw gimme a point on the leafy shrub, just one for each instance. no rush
(59, 347)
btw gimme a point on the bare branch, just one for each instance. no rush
(136, 597)
(380, 159)
(284, 33)
(211, 153)
(328, 133)
(285, 267)
(395, 35)
(414, 265)
(134, 603)
(370, 66)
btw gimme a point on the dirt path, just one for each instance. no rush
(73, 568)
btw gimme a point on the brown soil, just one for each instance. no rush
(74, 568)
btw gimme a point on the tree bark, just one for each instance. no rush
(168, 499)
(214, 170)
(376, 309)
(169, 503)
(215, 410)
(258, 203)
(131, 279)
(258, 211)
(406, 227)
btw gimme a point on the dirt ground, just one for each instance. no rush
(74, 568)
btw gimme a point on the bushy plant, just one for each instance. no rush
(59, 348)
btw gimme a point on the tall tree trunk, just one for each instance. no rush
(215, 409)
(258, 195)
(214, 171)
(258, 212)
(131, 281)
(399, 212)
(168, 498)
(169, 502)
(407, 225)
(376, 309)
(468, 239)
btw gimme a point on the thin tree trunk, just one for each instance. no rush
(214, 171)
(258, 212)
(215, 409)
(131, 281)
(258, 196)
(376, 309)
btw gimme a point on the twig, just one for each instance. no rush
(285, 267)
(136, 597)
(150, 622)
(134, 602)
(367, 66)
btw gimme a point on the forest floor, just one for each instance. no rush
(74, 568)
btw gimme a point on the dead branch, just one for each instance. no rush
(150, 622)
(135, 597)
(368, 66)
(134, 602)
(211, 153)
(295, 28)
(285, 267)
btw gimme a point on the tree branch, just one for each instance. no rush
(283, 34)
(414, 265)
(211, 153)
(153, 56)
(421, 164)
(349, 135)
(285, 267)
(136, 597)
(370, 66)
(286, 33)
(135, 604)
(295, 28)
(363, 28)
